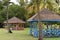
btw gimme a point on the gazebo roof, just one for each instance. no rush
(46, 15)
(14, 20)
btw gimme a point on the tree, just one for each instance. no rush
(21, 2)
(31, 8)
(35, 5)
(13, 10)
(6, 3)
(49, 4)
(1, 6)
(58, 2)
(39, 23)
(18, 11)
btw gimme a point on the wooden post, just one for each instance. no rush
(34, 25)
(23, 26)
(47, 25)
(51, 25)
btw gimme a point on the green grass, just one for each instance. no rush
(19, 35)
(16, 35)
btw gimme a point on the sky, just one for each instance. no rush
(15, 1)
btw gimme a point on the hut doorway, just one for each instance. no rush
(1, 25)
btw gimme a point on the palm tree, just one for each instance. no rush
(35, 5)
(49, 4)
(58, 2)
(31, 8)
(21, 2)
(39, 23)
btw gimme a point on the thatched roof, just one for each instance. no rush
(46, 15)
(14, 20)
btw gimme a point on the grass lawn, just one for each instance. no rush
(19, 35)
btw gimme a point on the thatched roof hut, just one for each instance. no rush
(16, 22)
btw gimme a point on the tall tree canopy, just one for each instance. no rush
(13, 10)
(50, 4)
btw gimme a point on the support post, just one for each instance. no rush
(47, 25)
(31, 26)
(34, 25)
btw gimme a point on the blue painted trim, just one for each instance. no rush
(50, 20)
(45, 21)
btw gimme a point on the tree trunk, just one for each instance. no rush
(39, 23)
(9, 30)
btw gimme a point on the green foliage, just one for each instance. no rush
(24, 11)
(22, 2)
(13, 10)
(5, 2)
(50, 4)
(1, 6)
(18, 11)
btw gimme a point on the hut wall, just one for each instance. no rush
(18, 27)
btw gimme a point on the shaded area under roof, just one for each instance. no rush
(14, 20)
(46, 15)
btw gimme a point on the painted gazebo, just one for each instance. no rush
(15, 23)
(47, 16)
